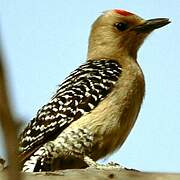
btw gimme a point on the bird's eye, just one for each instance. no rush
(121, 26)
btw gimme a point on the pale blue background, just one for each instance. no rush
(46, 40)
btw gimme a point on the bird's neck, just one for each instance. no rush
(106, 52)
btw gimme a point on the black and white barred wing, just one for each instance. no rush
(77, 95)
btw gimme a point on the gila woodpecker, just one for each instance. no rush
(95, 108)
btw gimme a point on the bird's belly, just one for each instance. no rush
(112, 134)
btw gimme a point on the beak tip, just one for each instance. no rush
(163, 22)
(169, 21)
(166, 21)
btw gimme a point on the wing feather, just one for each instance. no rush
(79, 94)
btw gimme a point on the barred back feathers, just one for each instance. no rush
(81, 92)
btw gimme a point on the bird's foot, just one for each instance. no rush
(92, 164)
(116, 165)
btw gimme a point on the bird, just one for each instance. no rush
(94, 109)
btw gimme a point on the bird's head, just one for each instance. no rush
(119, 33)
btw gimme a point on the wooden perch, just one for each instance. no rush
(94, 174)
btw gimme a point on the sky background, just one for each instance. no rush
(45, 40)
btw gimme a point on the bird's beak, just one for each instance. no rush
(151, 24)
